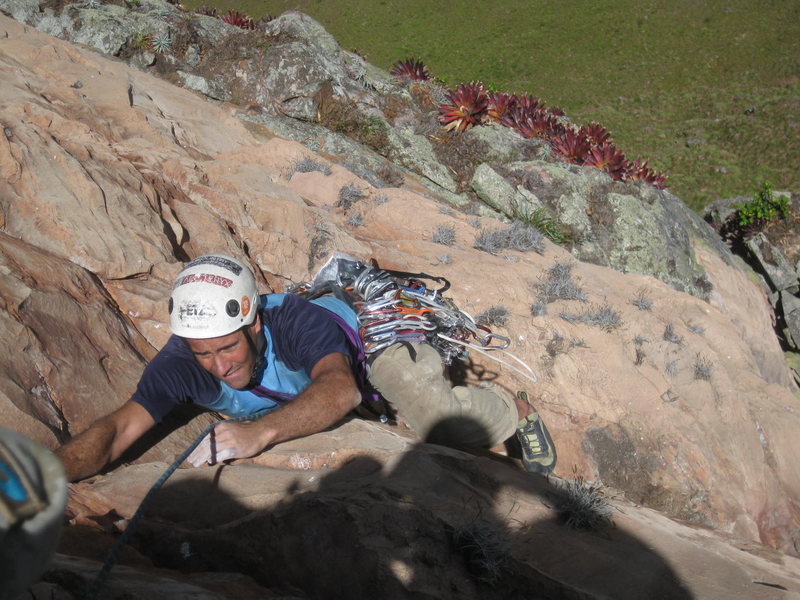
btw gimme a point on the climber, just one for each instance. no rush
(292, 365)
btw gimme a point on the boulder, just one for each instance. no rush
(790, 305)
(771, 261)
(631, 227)
(75, 354)
(415, 152)
(495, 191)
(719, 212)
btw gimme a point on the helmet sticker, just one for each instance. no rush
(217, 261)
(196, 314)
(245, 306)
(204, 278)
(232, 308)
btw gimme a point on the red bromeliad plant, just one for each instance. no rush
(238, 19)
(532, 103)
(499, 106)
(596, 133)
(590, 145)
(513, 117)
(571, 145)
(638, 170)
(410, 68)
(606, 156)
(466, 107)
(529, 103)
(533, 123)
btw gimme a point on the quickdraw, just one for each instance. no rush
(395, 306)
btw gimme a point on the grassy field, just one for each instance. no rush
(707, 91)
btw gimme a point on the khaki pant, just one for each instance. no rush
(468, 417)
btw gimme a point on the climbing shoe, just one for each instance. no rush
(538, 450)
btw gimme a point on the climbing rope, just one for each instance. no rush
(113, 555)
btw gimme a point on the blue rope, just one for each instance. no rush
(113, 556)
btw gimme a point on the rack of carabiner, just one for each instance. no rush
(393, 309)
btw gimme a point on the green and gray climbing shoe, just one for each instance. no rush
(538, 450)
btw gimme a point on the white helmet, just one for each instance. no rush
(214, 295)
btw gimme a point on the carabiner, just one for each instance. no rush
(484, 340)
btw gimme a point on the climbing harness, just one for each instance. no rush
(113, 555)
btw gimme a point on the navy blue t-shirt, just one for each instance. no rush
(298, 334)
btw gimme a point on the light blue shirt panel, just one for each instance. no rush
(276, 376)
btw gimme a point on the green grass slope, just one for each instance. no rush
(707, 91)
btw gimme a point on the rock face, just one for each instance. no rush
(417, 520)
(678, 402)
(291, 67)
(772, 251)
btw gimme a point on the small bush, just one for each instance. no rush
(390, 176)
(343, 116)
(671, 336)
(349, 195)
(541, 220)
(355, 220)
(558, 344)
(518, 236)
(559, 285)
(460, 154)
(444, 259)
(762, 208)
(308, 165)
(382, 199)
(697, 329)
(538, 308)
(161, 42)
(641, 301)
(703, 368)
(493, 316)
(604, 317)
(484, 549)
(445, 235)
(703, 285)
(672, 368)
(584, 505)
(640, 356)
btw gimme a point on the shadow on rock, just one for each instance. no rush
(431, 523)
